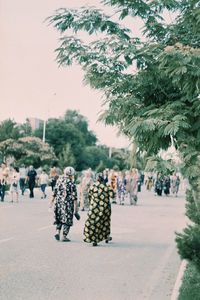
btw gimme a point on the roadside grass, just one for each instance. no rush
(190, 288)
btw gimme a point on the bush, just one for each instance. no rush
(190, 288)
(188, 244)
(191, 211)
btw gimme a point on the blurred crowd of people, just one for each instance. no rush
(125, 184)
(90, 191)
(17, 180)
(163, 184)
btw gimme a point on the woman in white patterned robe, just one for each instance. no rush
(65, 199)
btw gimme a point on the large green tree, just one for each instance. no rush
(9, 129)
(69, 132)
(151, 83)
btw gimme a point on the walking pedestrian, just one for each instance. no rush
(175, 183)
(159, 185)
(14, 184)
(53, 177)
(4, 176)
(22, 180)
(106, 175)
(149, 182)
(65, 203)
(132, 186)
(166, 185)
(43, 182)
(97, 225)
(86, 182)
(31, 178)
(113, 184)
(121, 187)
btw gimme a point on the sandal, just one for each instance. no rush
(65, 239)
(108, 239)
(57, 236)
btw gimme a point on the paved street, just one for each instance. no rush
(140, 263)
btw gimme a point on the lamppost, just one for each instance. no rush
(44, 131)
(45, 122)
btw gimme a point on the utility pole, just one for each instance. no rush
(110, 152)
(44, 131)
(45, 120)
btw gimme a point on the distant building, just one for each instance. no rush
(35, 123)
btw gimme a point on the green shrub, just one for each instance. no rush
(190, 288)
(188, 244)
(191, 210)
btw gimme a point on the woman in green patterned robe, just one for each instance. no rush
(97, 225)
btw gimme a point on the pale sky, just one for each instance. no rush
(32, 85)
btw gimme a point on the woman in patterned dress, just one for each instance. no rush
(121, 187)
(132, 186)
(65, 198)
(97, 225)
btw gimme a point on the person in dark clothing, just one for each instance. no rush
(159, 185)
(31, 178)
(166, 185)
(2, 189)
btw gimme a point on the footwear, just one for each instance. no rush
(65, 239)
(57, 236)
(108, 239)
(94, 244)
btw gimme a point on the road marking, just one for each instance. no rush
(6, 240)
(175, 293)
(45, 227)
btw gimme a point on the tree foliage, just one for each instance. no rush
(9, 129)
(28, 151)
(160, 165)
(156, 100)
(151, 83)
(68, 132)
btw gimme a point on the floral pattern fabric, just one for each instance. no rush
(65, 194)
(97, 226)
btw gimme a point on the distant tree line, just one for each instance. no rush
(68, 142)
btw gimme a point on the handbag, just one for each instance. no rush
(77, 216)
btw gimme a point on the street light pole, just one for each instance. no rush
(45, 122)
(44, 131)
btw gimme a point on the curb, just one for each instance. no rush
(175, 292)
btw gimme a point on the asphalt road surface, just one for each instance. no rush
(140, 263)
